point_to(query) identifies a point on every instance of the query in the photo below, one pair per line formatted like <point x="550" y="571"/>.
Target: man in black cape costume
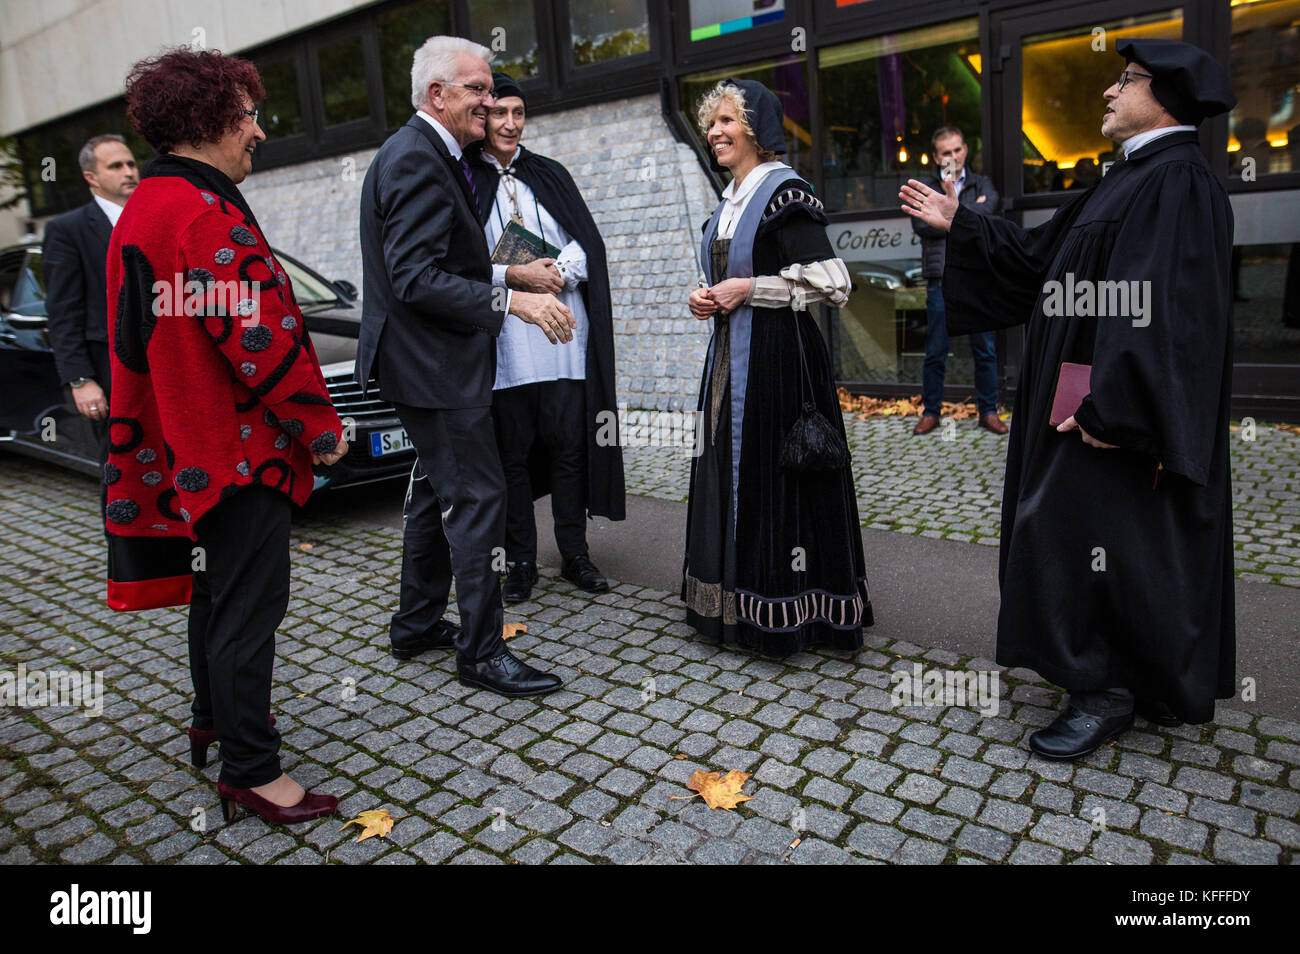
<point x="1116" y="562"/>
<point x="554" y="188"/>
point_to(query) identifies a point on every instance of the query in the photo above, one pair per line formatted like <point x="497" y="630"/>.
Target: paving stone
<point x="919" y="788"/>
<point x="875" y="841"/>
<point x="1238" y="849"/>
<point x="986" y="842"/>
<point x="827" y="791"/>
<point x="1182" y="832"/>
<point x="1007" y="816"/>
<point x="1118" y="849"/>
<point x="1232" y="817"/>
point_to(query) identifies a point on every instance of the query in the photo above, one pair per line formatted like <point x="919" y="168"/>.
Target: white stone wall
<point x="648" y="195"/>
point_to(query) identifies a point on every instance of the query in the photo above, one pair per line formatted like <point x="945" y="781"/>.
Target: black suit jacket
<point x="430" y="315"/>
<point x="75" y="262"/>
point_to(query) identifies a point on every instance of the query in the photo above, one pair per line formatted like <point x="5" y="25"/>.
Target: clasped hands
<point x="536" y="285"/>
<point x="726" y="296"/>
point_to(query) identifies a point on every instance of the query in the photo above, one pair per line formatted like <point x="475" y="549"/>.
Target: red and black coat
<point x="216" y="385"/>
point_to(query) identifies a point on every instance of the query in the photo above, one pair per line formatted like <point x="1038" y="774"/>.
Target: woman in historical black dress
<point x="773" y="554"/>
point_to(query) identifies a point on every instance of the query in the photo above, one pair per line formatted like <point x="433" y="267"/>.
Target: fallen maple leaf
<point x="717" y="790"/>
<point x="510" y="630"/>
<point x="376" y="821"/>
<point x="304" y="547"/>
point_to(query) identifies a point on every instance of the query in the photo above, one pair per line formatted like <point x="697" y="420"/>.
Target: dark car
<point x="39" y="418"/>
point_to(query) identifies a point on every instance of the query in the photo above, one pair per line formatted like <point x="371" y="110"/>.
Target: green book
<point x="518" y="246"/>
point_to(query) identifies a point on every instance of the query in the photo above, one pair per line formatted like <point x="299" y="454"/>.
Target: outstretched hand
<point x="930" y="206"/>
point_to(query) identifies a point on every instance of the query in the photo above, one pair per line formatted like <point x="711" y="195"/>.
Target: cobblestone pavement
<point x="588" y="774"/>
<point x="949" y="485"/>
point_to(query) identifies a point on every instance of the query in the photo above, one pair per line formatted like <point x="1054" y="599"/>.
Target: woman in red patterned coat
<point x="219" y="407"/>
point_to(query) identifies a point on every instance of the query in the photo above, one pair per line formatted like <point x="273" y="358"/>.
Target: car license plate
<point x="389" y="442"/>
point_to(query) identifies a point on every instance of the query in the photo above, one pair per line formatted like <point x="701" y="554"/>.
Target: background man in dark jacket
<point x="75" y="264"/>
<point x="976" y="192"/>
<point x="430" y="318"/>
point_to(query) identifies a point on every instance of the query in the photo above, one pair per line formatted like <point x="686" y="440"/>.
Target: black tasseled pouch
<point x="813" y="444"/>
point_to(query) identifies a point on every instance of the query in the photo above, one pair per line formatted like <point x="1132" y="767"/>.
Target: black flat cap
<point x="1188" y="82"/>
<point x="504" y="85"/>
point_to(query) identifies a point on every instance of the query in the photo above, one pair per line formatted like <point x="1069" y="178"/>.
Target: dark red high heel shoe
<point x="200" y="739"/>
<point x="311" y="806"/>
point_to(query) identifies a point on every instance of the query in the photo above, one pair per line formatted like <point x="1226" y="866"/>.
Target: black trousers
<point x="239" y="600"/>
<point x="553" y="413"/>
<point x="455" y="526"/>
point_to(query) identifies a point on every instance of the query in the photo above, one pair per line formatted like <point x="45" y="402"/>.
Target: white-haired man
<point x="429" y="321"/>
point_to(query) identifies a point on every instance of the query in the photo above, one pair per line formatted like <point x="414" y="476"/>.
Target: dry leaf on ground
<point x="865" y="407"/>
<point x="375" y="821"/>
<point x="510" y="630"/>
<point x="717" y="790"/>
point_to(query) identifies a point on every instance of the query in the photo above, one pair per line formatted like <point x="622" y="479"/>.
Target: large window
<point x="603" y="30"/>
<point x="882" y="99"/>
<point x="1266" y="309"/>
<point x="1063" y="77"/>
<point x="402" y="30"/>
<point x="1265" y="126"/>
<point x="784" y="77"/>
<point x="508" y="29"/>
<point x="281" y="111"/>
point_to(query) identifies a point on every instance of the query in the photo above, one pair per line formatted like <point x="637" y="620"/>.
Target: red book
<point x="1072" y="387"/>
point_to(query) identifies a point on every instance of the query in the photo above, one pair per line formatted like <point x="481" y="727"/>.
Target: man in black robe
<point x="549" y="404"/>
<point x="1116" y="560"/>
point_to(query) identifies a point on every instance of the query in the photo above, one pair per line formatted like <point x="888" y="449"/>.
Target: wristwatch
<point x="79" y="382"/>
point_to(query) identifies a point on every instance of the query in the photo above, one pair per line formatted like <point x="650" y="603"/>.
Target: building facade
<point x="612" y="87"/>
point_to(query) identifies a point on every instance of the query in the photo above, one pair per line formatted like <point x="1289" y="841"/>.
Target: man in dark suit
<point x="75" y="264"/>
<point x="430" y="317"/>
<point x="978" y="194"/>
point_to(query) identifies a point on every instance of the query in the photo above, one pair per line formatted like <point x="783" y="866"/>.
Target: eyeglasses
<point x="254" y="113"/>
<point x="1128" y="75"/>
<point x="482" y="92"/>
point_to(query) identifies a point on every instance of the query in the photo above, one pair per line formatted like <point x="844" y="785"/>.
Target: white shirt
<point x="524" y="354"/>
<point x="111" y="209"/>
<point x="448" y="139"/>
<point x="1134" y="143"/>
<point x="734" y="200"/>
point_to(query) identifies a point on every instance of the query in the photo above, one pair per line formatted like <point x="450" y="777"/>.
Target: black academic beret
<point x="1188" y="82"/>
<point x="504" y="85"/>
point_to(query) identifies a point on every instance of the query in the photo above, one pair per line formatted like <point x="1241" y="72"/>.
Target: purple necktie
<point x="469" y="177"/>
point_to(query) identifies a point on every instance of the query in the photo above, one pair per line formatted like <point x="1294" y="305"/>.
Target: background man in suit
<point x="977" y="193"/>
<point x="430" y="318"/>
<point x="75" y="264"/>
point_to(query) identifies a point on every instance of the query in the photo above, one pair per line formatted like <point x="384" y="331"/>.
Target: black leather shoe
<point x="507" y="676"/>
<point x="581" y="572"/>
<point x="1156" y="712"/>
<point x="442" y="636"/>
<point x="1075" y="733"/>
<point x="520" y="578"/>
